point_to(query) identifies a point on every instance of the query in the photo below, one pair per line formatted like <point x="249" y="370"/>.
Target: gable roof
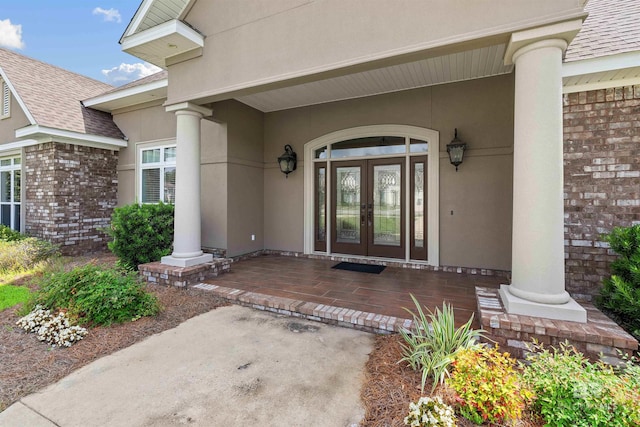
<point x="51" y="96"/>
<point x="612" y="27"/>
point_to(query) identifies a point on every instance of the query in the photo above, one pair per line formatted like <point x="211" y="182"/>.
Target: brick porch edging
<point x="162" y="274"/>
<point x="600" y="335"/>
<point x="329" y="314"/>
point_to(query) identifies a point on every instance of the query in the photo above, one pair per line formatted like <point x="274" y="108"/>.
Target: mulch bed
<point x="28" y="365"/>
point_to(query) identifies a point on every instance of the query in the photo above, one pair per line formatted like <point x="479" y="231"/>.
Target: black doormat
<point x="361" y="268"/>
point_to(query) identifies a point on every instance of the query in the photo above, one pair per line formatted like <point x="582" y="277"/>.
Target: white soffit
<point x="472" y="64"/>
<point x="157" y="43"/>
<point x="600" y="73"/>
<point x="154" y="12"/>
<point x="128" y="97"/>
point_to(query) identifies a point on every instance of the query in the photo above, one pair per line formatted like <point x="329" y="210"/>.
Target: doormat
<point x="361" y="268"/>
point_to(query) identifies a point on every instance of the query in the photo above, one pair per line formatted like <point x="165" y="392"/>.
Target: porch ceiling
<point x="471" y="64"/>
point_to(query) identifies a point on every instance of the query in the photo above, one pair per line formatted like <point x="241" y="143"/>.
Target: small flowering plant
<point x="430" y="411"/>
<point x="55" y="330"/>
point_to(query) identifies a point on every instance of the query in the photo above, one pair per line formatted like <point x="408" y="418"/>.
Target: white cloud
<point x="11" y="35"/>
<point x="125" y="73"/>
<point x="110" y="15"/>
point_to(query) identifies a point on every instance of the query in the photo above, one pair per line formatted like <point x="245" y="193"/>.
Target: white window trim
<point x="12" y="168"/>
<point x="5" y="100"/>
<point x="433" y="183"/>
<point x="156" y="165"/>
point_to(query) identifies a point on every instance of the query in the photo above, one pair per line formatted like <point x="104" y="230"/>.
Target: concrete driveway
<point x="232" y="366"/>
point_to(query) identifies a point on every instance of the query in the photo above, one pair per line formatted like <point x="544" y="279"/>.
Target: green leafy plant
<point x="9" y="235"/>
<point x="141" y="233"/>
<point x="430" y="412"/>
<point x="620" y="294"/>
<point x="13" y="295"/>
<point x="487" y="385"/>
<point x="433" y="341"/>
<point x="91" y="294"/>
<point x="572" y="391"/>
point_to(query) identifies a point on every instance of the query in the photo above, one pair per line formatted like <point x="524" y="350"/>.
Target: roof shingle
<point x="53" y="95"/>
<point x="612" y="27"/>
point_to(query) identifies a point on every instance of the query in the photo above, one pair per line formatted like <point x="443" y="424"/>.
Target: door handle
<point x="362" y="214"/>
<point x="370" y="214"/>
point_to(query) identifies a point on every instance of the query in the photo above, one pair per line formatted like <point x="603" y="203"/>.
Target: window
<point x="158" y="174"/>
<point x="10" y="185"/>
<point x="6" y="100"/>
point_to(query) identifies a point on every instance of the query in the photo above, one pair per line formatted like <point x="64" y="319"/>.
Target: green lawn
<point x="12" y="295"/>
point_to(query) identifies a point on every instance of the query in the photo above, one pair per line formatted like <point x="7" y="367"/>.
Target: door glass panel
<point x="386" y="205"/>
<point x="418" y="205"/>
<point x="371" y="146"/>
<point x="348" y="204"/>
<point x="5" y="186"/>
<point x="322" y="206"/>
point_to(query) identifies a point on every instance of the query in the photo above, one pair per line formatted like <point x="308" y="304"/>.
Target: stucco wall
<point x="601" y="179"/>
<point x="277" y="40"/>
<point x="9" y="125"/>
<point x="478" y="234"/>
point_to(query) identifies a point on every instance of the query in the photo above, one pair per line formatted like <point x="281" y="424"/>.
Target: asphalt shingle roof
<point x="612" y="27"/>
<point x="160" y="75"/>
<point x="53" y="95"/>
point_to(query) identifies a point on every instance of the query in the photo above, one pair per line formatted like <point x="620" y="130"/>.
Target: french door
<point x="368" y="214"/>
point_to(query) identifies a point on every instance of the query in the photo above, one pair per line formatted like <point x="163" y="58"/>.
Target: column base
<point x="571" y="311"/>
<point x="186" y="262"/>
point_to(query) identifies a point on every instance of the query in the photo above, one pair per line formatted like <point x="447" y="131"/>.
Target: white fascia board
<point x="137" y="19"/>
<point x="601" y="85"/>
<point x="600" y="64"/>
<point x="44" y="134"/>
<point x="168" y="28"/>
<point x="12" y="146"/>
<point x="125" y="93"/>
<point x="15" y="94"/>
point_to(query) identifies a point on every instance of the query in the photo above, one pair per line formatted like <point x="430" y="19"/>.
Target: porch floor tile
<point x="385" y="294"/>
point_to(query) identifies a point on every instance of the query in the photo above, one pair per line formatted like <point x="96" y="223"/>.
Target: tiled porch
<point x="314" y="281"/>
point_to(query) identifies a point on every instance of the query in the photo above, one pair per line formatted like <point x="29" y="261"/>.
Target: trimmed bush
<point x="141" y="233"/>
<point x="9" y="235"/>
<point x="91" y="294"/>
<point x="620" y="294"/>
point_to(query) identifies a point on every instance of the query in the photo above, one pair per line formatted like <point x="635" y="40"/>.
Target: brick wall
<point x="601" y="179"/>
<point x="70" y="193"/>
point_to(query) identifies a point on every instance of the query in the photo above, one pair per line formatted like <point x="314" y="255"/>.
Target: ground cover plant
<point x="620" y="294"/>
<point x="141" y="233"/>
<point x="96" y="295"/>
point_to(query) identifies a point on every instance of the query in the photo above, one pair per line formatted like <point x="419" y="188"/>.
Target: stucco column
<point x="187" y="230"/>
<point x="538" y="279"/>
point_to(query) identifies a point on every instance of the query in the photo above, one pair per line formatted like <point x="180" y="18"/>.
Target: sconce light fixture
<point x="456" y="150"/>
<point x="288" y="161"/>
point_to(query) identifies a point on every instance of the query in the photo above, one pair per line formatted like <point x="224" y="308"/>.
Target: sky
<point x="78" y="35"/>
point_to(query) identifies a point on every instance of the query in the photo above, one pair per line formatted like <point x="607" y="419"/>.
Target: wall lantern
<point x="288" y="161"/>
<point x="456" y="150"/>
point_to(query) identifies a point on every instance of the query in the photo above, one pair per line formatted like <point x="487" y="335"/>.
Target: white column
<point x="187" y="230"/>
<point x="538" y="279"/>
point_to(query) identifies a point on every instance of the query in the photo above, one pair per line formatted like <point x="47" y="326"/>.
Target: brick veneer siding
<point x="70" y="193"/>
<point x="601" y="179"/>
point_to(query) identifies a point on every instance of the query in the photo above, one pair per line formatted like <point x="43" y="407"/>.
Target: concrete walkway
<point x="230" y="367"/>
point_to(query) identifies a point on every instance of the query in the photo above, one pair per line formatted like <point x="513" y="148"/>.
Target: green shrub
<point x="9" y="235"/>
<point x="487" y="386"/>
<point x="620" y="294"/>
<point x="571" y="391"/>
<point x="92" y="294"/>
<point x="22" y="255"/>
<point x="432" y="346"/>
<point x="141" y="233"/>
